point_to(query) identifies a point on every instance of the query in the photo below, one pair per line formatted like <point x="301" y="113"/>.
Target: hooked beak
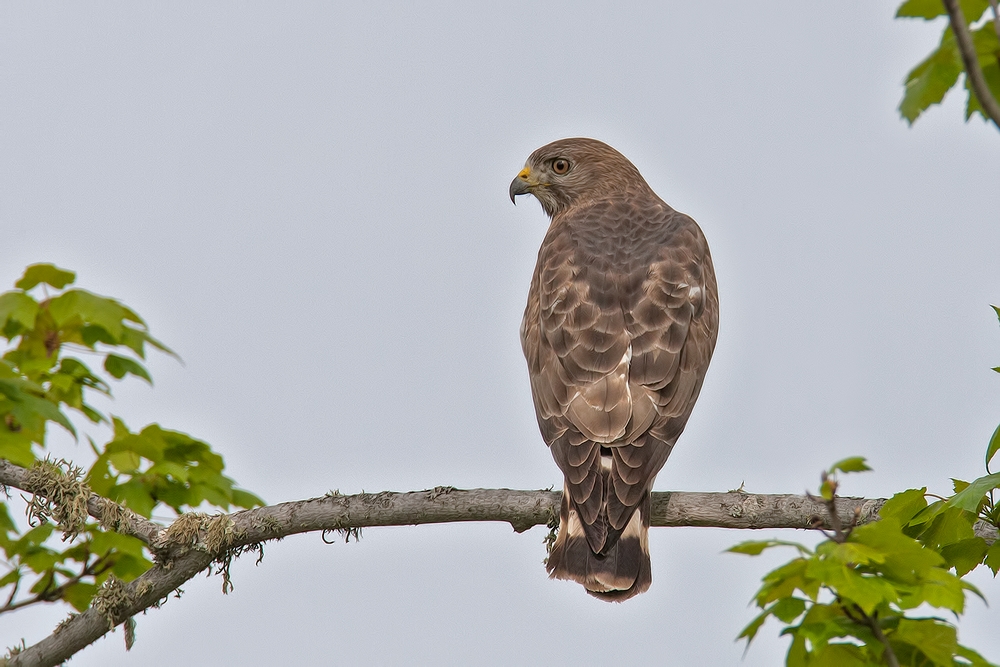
<point x="522" y="184"/>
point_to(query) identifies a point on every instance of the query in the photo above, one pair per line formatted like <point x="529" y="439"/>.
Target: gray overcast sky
<point x="308" y="201"/>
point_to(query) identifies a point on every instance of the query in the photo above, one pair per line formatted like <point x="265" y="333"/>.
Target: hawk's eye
<point x="560" y="166"/>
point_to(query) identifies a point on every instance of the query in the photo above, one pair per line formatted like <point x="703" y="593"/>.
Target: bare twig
<point x="13" y="592"/>
<point x="968" y="50"/>
<point x="53" y="593"/>
<point x="873" y="624"/>
<point x="858" y="615"/>
<point x="839" y="534"/>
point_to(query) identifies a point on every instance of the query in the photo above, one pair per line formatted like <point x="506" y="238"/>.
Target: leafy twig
<point x="840" y="535"/>
<point x="890" y="655"/>
<point x="858" y="616"/>
<point x="968" y="50"/>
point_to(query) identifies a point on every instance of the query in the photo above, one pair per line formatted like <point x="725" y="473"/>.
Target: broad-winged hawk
<point x="620" y="325"/>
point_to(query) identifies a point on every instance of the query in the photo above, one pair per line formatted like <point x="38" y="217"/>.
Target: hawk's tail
<point x="622" y="569"/>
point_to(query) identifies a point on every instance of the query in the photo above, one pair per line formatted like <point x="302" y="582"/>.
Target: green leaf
<point x="31" y="539"/>
<point x="935" y="639"/>
<point x="144" y="444"/>
<point x="217" y="495"/>
<point x="855" y="553"/>
<point x="119" y="367"/>
<point x="157" y="465"/>
<point x="93" y="334"/>
<point x="797" y="653"/>
<point x="125" y="461"/>
<point x="970" y="497"/>
<point x="128" y="567"/>
<point x="79" y="595"/>
<point x="972" y="589"/>
<point x="993" y="448"/>
<point x="992" y="559"/>
<point x="852" y="464"/>
<point x="19" y="307"/>
<point x="928" y="82"/>
<point x="15" y="448"/>
<point x="44" y="582"/>
<point x="136" y="339"/>
<point x="942" y="589"/>
<point x="965" y="555"/>
<point x="948" y="527"/>
<point x="179" y="472"/>
<point x="91" y="309"/>
<point x="92" y="414"/>
<point x="103" y="541"/>
<point x="987" y="49"/>
<point x="929" y="513"/>
<point x="838" y="655"/>
<point x="973" y="9"/>
<point x="246" y="500"/>
<point x="904" y="505"/>
<point x="755" y="548"/>
<point x="783" y="581"/>
<point x="6" y="523"/>
<point x="975" y="660"/>
<point x="867" y="592"/>
<point x="40" y="559"/>
<point x="45" y="273"/>
<point x="135" y="495"/>
<point x="750" y="631"/>
<point x="931" y="9"/>
<point x="906" y="558"/>
<point x="788" y="609"/>
<point x="27" y="405"/>
<point x="12" y="577"/>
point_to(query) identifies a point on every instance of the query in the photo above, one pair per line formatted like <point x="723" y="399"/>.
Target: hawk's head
<point x="571" y="171"/>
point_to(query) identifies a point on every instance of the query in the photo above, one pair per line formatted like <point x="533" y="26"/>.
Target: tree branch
<point x="968" y="50"/>
<point x="53" y="593"/>
<point x="110" y="514"/>
<point x="194" y="541"/>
